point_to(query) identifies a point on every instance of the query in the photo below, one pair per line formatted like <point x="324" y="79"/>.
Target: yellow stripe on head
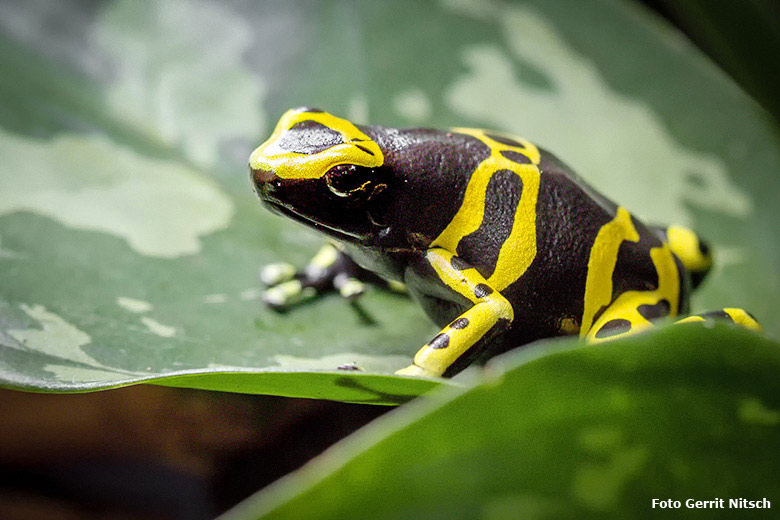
<point x="354" y="147"/>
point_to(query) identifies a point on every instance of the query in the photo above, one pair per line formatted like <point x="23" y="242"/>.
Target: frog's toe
<point x="287" y="294"/>
<point x="274" y="274"/>
<point x="414" y="370"/>
<point x="396" y="286"/>
<point x="349" y="287"/>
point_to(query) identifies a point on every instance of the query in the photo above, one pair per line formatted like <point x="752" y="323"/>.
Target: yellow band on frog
<point x="357" y="148"/>
<point x="686" y="246"/>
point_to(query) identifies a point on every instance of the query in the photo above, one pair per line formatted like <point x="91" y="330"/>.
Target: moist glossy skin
<point x="498" y="241"/>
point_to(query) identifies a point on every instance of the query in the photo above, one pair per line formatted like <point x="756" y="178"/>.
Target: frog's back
<point x="590" y="251"/>
<point x="556" y="249"/>
<point x="560" y="252"/>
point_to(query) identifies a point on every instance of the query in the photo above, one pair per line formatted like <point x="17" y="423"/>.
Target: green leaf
<point x="749" y="56"/>
<point x="129" y="236"/>
<point x="584" y="432"/>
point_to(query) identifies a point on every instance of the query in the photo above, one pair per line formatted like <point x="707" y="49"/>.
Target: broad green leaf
<point x="749" y="56"/>
<point x="129" y="236"/>
<point x="587" y="432"/>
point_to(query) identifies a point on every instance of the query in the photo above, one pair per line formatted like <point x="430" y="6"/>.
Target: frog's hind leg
<point x="607" y="317"/>
<point x="730" y="314"/>
<point x="631" y="316"/>
<point x="693" y="252"/>
<point x="632" y="312"/>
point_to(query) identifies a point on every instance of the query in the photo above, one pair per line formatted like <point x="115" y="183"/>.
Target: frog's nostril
<point x="263" y="176"/>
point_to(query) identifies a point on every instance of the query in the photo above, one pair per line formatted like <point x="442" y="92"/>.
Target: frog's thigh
<point x="490" y="312"/>
<point x="631" y="312"/>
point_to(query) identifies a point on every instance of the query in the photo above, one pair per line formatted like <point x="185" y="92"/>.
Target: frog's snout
<point x="265" y="182"/>
<point x="261" y="177"/>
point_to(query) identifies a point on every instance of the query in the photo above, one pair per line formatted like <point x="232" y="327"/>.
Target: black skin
<point x="403" y="205"/>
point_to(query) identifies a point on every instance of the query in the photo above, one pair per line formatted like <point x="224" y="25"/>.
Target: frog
<point x="499" y="241"/>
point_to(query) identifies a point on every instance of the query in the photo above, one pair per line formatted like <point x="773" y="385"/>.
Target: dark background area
<point x="155" y="452"/>
<point x="743" y="38"/>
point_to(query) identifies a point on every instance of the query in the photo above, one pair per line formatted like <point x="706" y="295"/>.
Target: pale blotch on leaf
<point x="602" y="439"/>
<point x="752" y="411"/>
<point x="155" y="327"/>
<point x="215" y="298"/>
<point x="178" y="73"/>
<point x="133" y="305"/>
<point x="357" y="111"/>
<point x="364" y="362"/>
<point x="88" y="182"/>
<point x="69" y="374"/>
<point x="525" y="506"/>
<point x="729" y="256"/>
<point x="619" y="399"/>
<point x="599" y="486"/>
<point x="8" y="254"/>
<point x="250" y="294"/>
<point x="615" y="141"/>
<point x="55" y="337"/>
<point x="413" y="104"/>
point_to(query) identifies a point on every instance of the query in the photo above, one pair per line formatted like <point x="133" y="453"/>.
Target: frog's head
<point x="323" y="171"/>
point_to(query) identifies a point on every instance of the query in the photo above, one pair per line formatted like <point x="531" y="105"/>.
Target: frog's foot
<point x="274" y="274"/>
<point x="738" y="316"/>
<point x="330" y="270"/>
<point x="348" y="287"/>
<point x="396" y="286"/>
<point x="630" y="313"/>
<point x="414" y="370"/>
<point x="635" y="312"/>
<point x="287" y="294"/>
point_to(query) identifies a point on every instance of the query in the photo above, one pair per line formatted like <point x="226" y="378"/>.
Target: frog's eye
<point x="347" y="180"/>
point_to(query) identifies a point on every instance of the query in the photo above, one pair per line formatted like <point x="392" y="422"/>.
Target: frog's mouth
<point x="338" y="234"/>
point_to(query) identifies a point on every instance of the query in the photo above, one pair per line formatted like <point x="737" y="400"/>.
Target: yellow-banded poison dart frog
<point x="498" y="240"/>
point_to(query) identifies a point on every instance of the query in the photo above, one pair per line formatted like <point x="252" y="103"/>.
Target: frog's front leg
<point x="449" y="279"/>
<point x="330" y="269"/>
